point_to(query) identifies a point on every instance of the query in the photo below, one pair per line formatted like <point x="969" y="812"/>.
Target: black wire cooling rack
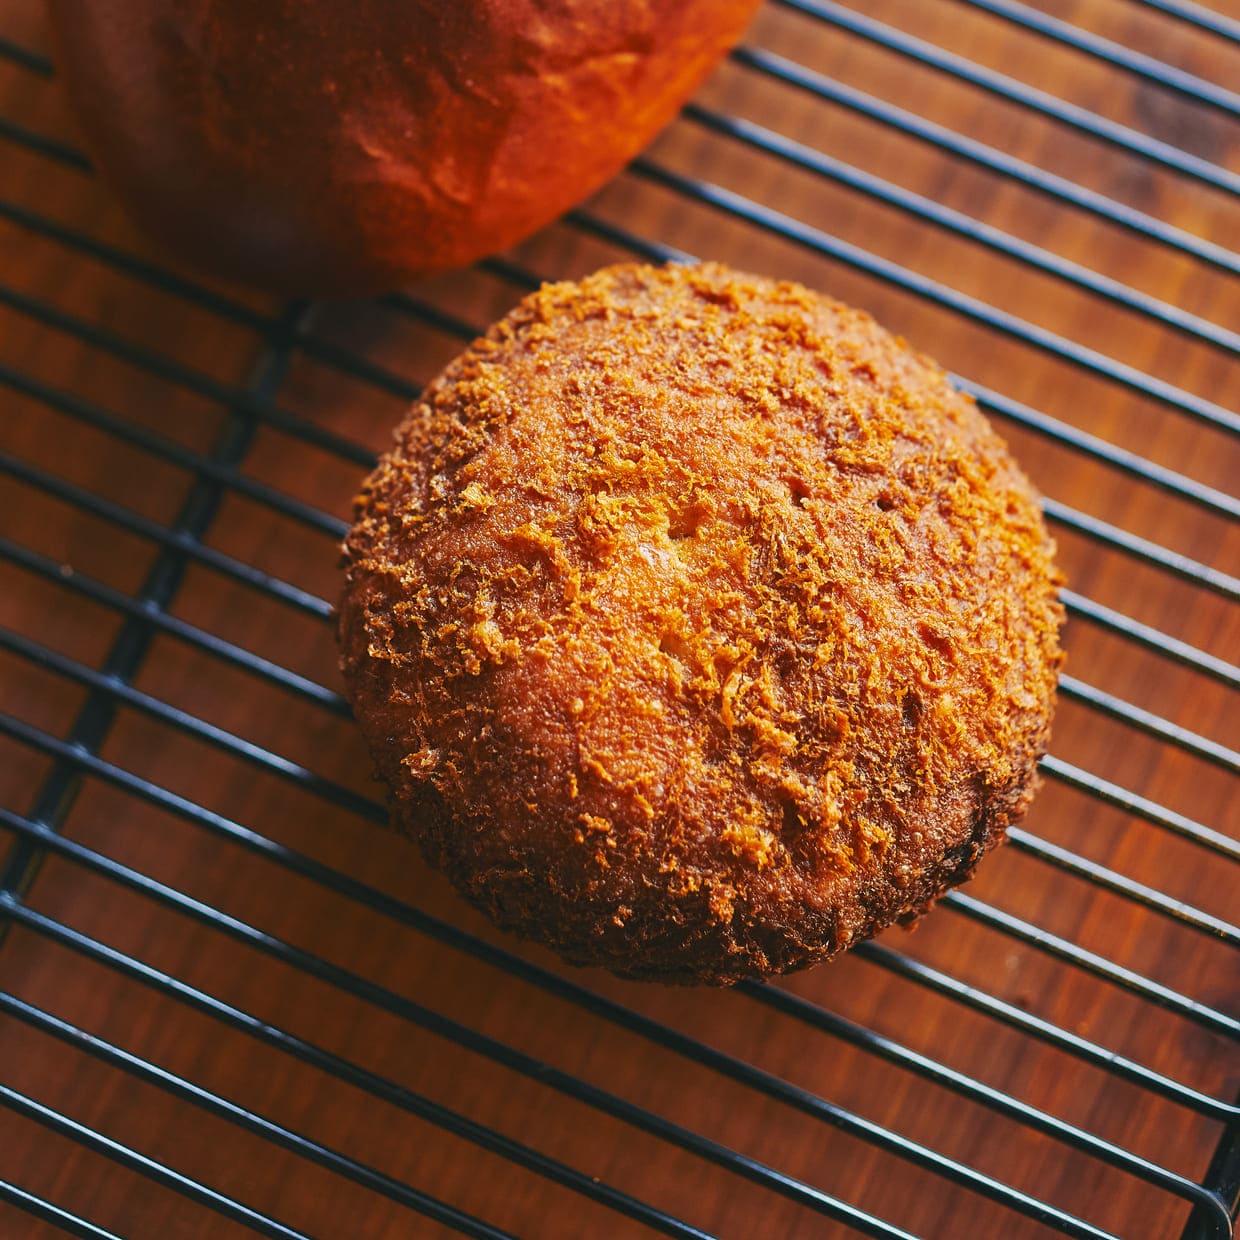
<point x="131" y="669"/>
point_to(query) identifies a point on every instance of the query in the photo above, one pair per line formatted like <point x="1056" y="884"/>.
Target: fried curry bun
<point x="698" y="627"/>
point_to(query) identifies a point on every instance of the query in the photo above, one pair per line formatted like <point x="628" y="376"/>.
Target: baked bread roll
<point x="698" y="627"/>
<point x="327" y="147"/>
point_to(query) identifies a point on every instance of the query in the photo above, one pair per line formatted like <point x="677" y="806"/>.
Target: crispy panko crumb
<point x="698" y="627"/>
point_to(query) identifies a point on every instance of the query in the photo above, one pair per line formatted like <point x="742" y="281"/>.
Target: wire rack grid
<point x="230" y="1001"/>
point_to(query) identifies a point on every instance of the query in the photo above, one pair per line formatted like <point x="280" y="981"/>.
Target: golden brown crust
<point x="698" y="627"/>
<point x="328" y="147"/>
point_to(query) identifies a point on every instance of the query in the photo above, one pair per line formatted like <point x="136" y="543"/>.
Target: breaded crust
<point x="699" y="628"/>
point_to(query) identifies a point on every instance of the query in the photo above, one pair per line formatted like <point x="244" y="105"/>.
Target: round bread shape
<point x="327" y="146"/>
<point x="698" y="628"/>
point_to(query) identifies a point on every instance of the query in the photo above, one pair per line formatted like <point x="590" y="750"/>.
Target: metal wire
<point x="336" y="528"/>
<point x="1197" y="15"/>
<point x="1045" y="1031"/>
<point x="312" y="1151"/>
<point x="460" y="1035"/>
<point x="49" y="1212"/>
<point x="1131" y="141"/>
<point x="994" y="403"/>
<point x="134" y="1161"/>
<point x="978" y="153"/>
<point x="190" y="634"/>
<point x="1060" y="347"/>
<point x="695" y="1051"/>
<point x="1141" y="807"/>
<point x="1072" y="687"/>
<point x="220" y="473"/>
<point x="1177" y="910"/>
<point x="922" y="208"/>
<point x="372" y="811"/>
<point x="168" y="450"/>
<point x="1069" y="952"/>
<point x="660" y="1034"/>
<point x="819" y="1018"/>
<point x="352" y="1073"/>
<point x="1063" y="771"/>
<point x="1108" y="703"/>
<point x="1156" y="72"/>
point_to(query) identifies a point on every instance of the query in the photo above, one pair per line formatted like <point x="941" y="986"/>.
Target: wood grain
<point x="199" y="859"/>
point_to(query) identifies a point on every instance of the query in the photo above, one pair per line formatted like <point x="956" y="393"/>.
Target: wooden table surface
<point x="176" y="369"/>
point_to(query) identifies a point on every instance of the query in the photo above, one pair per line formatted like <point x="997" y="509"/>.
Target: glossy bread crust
<point x="325" y="147"/>
<point x="699" y="628"/>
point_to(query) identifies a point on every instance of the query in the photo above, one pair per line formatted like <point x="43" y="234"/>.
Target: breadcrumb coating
<point x="699" y="628"/>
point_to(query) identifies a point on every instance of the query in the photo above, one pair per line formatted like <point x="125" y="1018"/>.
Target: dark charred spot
<point x="799" y="491"/>
<point x="688" y="521"/>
